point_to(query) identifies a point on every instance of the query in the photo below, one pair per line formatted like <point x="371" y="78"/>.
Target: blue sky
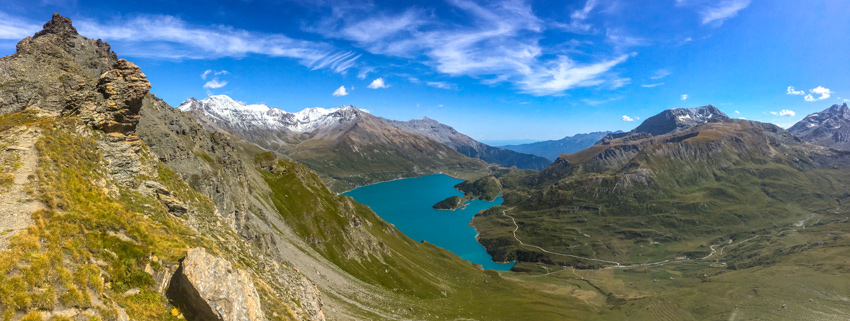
<point x="493" y="70"/>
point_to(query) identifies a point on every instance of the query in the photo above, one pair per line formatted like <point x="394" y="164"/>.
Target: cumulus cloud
<point x="809" y="97"/>
<point x="823" y="92"/>
<point x="685" y="97"/>
<point x="626" y="118"/>
<point x="378" y="83"/>
<point x="652" y="85"/>
<point x="786" y="112"/>
<point x="340" y="91"/>
<point x="791" y="91"/>
<point x="215" y="83"/>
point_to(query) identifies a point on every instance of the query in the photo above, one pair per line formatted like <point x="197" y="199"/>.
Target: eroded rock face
<point x="123" y="89"/>
<point x="206" y="287"/>
<point x="48" y="69"/>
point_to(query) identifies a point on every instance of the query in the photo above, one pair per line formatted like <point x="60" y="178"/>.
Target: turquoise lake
<point x="406" y="203"/>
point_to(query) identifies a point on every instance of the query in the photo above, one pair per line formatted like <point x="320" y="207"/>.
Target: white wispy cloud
<point x="652" y="85"/>
<point x="660" y="73"/>
<point x="578" y="18"/>
<point x="340" y="91"/>
<point x="715" y="11"/>
<point x="13" y="28"/>
<point x="213" y="72"/>
<point x="722" y="10"/>
<point x="774" y="113"/>
<point x="378" y="83"/>
<point x="169" y="37"/>
<point x="364" y="71"/>
<point x="791" y="91"/>
<point x="626" y="118"/>
<point x="685" y="97"/>
<point x="809" y="97"/>
<point x="441" y="84"/>
<point x="786" y="112"/>
<point x="215" y="83"/>
<point x="497" y="41"/>
<point x="594" y="102"/>
<point x="738" y="112"/>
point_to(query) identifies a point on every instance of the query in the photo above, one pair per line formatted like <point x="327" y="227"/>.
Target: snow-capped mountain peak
<point x="224" y="110"/>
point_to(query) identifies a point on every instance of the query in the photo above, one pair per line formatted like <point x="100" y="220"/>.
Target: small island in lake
<point x="449" y="204"/>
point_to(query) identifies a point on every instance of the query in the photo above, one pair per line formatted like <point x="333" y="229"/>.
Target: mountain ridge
<point x="346" y="145"/>
<point x="829" y="128"/>
<point x="467" y="145"/>
<point x="552" y="149"/>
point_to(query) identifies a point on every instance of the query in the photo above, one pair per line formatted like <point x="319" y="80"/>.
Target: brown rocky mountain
<point x="347" y="146"/>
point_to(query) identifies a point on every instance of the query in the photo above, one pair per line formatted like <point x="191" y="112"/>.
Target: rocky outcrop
<point x="206" y="287"/>
<point x="830" y="127"/>
<point x="49" y="68"/>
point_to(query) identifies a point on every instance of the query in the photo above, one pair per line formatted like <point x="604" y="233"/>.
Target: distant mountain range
<point x="347" y="146"/>
<point x="683" y="177"/>
<point x="468" y="146"/>
<point x="830" y="127"/>
<point x="551" y="149"/>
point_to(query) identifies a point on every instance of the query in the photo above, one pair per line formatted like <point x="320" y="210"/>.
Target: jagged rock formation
<point x="348" y="146"/>
<point x="26" y="81"/>
<point x="551" y="149"/>
<point x="466" y="145"/>
<point x="830" y="128"/>
<point x="206" y="287"/>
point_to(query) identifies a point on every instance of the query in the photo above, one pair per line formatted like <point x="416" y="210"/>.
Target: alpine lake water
<point x="406" y="203"/>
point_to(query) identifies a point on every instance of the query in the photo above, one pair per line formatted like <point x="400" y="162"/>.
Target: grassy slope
<point x="685" y="204"/>
<point x="435" y="281"/>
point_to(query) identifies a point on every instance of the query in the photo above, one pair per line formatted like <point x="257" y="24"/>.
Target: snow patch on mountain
<point x="222" y="108"/>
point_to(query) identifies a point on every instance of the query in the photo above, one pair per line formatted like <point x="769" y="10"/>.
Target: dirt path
<point x="20" y="159"/>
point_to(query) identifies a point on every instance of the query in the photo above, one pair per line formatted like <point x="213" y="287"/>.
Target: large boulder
<point x="206" y="287"/>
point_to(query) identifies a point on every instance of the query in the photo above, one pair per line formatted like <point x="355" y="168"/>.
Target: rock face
<point x="551" y="149"/>
<point x="123" y="88"/>
<point x="830" y="128"/>
<point x="50" y="67"/>
<point x="206" y="287"/>
<point x="468" y="146"/>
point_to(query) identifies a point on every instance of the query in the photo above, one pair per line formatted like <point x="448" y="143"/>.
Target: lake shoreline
<point x="406" y="203"/>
